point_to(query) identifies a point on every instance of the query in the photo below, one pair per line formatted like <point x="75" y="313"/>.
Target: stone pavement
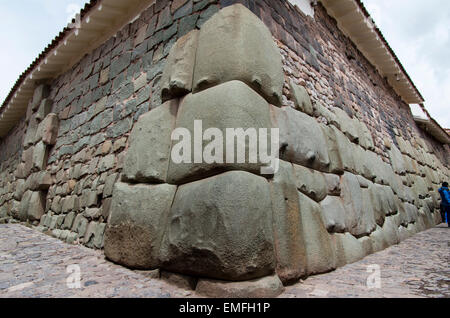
<point x="417" y="267"/>
<point x="33" y="264"/>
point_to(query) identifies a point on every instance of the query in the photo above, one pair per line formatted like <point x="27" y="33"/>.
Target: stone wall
<point x="356" y="173"/>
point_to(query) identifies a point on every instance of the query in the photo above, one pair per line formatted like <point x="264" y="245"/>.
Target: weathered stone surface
<point x="337" y="142"/>
<point x="182" y="281"/>
<point x="380" y="208"/>
<point x="322" y="111"/>
<point x="365" y="137"/>
<point x="350" y="247"/>
<point x="311" y="182"/>
<point x="347" y="125"/>
<point x="137" y="222"/>
<point x="24" y="204"/>
<point x="147" y="159"/>
<point x="320" y="256"/>
<point x="48" y="129"/>
<point x="229" y="105"/>
<point x="40" y="92"/>
<point x="397" y="160"/>
<point x="68" y="221"/>
<point x="235" y="45"/>
<point x="178" y="72"/>
<point x="333" y="184"/>
<point x="225" y="233"/>
<point x="40" y="154"/>
<point x="266" y="287"/>
<point x="99" y="231"/>
<point x="36" y="206"/>
<point x="360" y="220"/>
<point x="333" y="214"/>
<point x="302" y="137"/>
<point x="44" y="180"/>
<point x="301" y="98"/>
<point x="412" y="212"/>
<point x="287" y="225"/>
<point x="44" y="109"/>
<point x="30" y="136"/>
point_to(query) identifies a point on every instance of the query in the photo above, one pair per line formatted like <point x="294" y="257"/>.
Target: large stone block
<point x="179" y="70"/>
<point x="40" y="155"/>
<point x="40" y="92"/>
<point x="360" y="218"/>
<point x="378" y="203"/>
<point x="349" y="126"/>
<point x="30" y="136"/>
<point x="148" y="155"/>
<point x="333" y="141"/>
<point x="320" y="256"/>
<point x="36" y="206"/>
<point x="301" y="98"/>
<point x="137" y="222"/>
<point x="333" y="214"/>
<point x="287" y="225"/>
<point x="350" y="248"/>
<point x="301" y="138"/>
<point x="22" y="214"/>
<point x="365" y="137"/>
<point x="224" y="233"/>
<point x="229" y="105"/>
<point x="48" y="129"/>
<point x="397" y="160"/>
<point x="235" y="45"/>
<point x="311" y="182"/>
<point x="44" y="109"/>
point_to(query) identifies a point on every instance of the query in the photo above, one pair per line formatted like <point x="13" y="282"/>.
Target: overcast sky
<point x="417" y="30"/>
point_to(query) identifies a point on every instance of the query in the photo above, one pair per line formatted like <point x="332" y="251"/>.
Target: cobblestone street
<point x="33" y="264"/>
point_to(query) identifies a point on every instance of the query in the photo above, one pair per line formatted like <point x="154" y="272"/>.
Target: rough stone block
<point x="148" y="155"/>
<point x="24" y="204"/>
<point x="36" y="206"/>
<point x="397" y="160"/>
<point x="235" y="45"/>
<point x="360" y="219"/>
<point x="350" y="247"/>
<point x="333" y="214"/>
<point x="333" y="139"/>
<point x="365" y="137"/>
<point x="225" y="233"/>
<point x="137" y="223"/>
<point x="320" y="256"/>
<point x="311" y="182"/>
<point x="40" y="92"/>
<point x="301" y="98"/>
<point x="266" y="287"/>
<point x="40" y="155"/>
<point x="302" y="137"/>
<point x="347" y="125"/>
<point x="287" y="225"/>
<point x="68" y="221"/>
<point x="229" y="105"/>
<point x="333" y="184"/>
<point x="44" y="109"/>
<point x="31" y="135"/>
<point x="178" y="72"/>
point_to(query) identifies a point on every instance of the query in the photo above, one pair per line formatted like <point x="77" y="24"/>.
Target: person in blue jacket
<point x="445" y="203"/>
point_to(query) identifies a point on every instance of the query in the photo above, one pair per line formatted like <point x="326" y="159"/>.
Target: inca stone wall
<point x="93" y="153"/>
